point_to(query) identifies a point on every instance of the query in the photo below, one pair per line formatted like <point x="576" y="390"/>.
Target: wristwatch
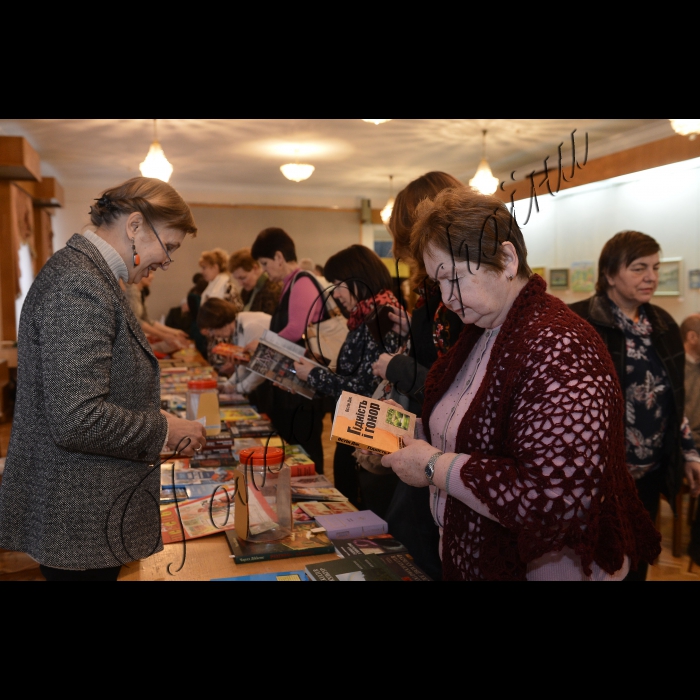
<point x="430" y="467"/>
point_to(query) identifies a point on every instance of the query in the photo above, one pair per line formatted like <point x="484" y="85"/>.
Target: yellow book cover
<point x="371" y="424"/>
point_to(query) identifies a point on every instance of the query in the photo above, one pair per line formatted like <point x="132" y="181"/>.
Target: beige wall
<point x="318" y="233"/>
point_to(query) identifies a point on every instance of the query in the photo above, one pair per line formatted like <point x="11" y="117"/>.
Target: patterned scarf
<point x="442" y="335"/>
<point x="366" y="306"/>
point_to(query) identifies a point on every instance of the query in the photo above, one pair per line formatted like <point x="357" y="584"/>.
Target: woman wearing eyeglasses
<point x="79" y="492"/>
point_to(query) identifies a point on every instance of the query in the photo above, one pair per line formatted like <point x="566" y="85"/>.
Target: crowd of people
<point x="546" y="433"/>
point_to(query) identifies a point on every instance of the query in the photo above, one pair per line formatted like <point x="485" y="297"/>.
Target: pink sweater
<point x="303" y="296"/>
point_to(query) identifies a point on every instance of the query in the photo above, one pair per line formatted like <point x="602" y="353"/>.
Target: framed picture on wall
<point x="669" y="278"/>
<point x="694" y="279"/>
<point x="583" y="277"/>
<point x="559" y="278"/>
<point x="541" y="271"/>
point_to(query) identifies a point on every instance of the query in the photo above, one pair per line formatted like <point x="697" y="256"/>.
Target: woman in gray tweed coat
<point x="79" y="492"/>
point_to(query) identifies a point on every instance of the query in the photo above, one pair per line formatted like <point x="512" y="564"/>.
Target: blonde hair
<point x="156" y="200"/>
<point x="218" y="257"/>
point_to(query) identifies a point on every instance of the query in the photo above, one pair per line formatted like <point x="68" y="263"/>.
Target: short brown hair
<point x="361" y="268"/>
<point x="622" y="249"/>
<point x="470" y="225"/>
<point x="691" y="323"/>
<point x="156" y="200"/>
<point x="242" y="258"/>
<point x="218" y="257"/>
<point x="216" y="313"/>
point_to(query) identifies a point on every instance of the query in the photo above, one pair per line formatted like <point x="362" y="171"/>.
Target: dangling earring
<point x="134" y="255"/>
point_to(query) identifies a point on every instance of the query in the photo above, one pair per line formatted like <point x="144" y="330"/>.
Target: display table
<point x="207" y="558"/>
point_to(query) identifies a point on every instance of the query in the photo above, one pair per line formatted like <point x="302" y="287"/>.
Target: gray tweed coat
<point x="78" y="492"/>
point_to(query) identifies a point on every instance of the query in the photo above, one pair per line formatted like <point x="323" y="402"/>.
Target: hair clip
<point x="106" y="203"/>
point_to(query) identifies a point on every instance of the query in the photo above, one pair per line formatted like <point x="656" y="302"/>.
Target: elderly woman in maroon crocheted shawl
<point x="521" y="437"/>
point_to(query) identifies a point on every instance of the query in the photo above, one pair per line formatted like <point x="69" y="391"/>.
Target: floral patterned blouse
<point x="648" y="398"/>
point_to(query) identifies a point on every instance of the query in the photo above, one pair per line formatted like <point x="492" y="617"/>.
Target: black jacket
<point x="666" y="340"/>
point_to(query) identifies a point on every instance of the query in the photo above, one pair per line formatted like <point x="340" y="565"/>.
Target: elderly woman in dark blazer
<point x="79" y="492"/>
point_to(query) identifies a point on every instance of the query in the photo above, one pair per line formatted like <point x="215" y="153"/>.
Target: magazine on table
<point x="274" y="359"/>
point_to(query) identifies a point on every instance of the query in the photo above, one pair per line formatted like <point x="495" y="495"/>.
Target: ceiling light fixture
<point x="156" y="164"/>
<point x="297" y="171"/>
<point x="483" y="179"/>
<point x="389" y="206"/>
<point x="376" y="121"/>
<point x="686" y="127"/>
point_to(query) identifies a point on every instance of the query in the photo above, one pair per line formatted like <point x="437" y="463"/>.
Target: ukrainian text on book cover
<point x="371" y="424"/>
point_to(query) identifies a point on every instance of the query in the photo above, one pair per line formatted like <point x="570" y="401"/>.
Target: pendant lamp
<point x="483" y="179"/>
<point x="389" y="206"/>
<point x="156" y="164"/>
<point x="686" y="127"/>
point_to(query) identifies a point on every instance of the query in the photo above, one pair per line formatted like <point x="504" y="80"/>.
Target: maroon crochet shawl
<point x="548" y="415"/>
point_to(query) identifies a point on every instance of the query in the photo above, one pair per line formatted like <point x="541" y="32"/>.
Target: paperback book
<point x="315" y="508"/>
<point x="311" y="493"/>
<point x="300" y="543"/>
<point x="234" y="352"/>
<point x="298" y="575"/>
<point x="343" y="526"/>
<point x="371" y="544"/>
<point x="363" y="567"/>
<point x="371" y="424"/>
<point x="274" y="359"/>
<point x="233" y="414"/>
<point x="402" y="564"/>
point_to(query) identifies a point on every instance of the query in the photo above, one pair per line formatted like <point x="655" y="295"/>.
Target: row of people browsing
<point x="642" y="340"/>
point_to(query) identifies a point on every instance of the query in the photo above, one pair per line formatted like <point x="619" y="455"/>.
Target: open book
<point x="371" y="424"/>
<point x="274" y="359"/>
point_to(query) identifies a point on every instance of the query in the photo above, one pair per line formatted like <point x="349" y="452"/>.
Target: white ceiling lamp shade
<point x="389" y="206"/>
<point x="156" y="164"/>
<point x="376" y="121"/>
<point x="483" y="179"/>
<point x="297" y="171"/>
<point x="686" y="127"/>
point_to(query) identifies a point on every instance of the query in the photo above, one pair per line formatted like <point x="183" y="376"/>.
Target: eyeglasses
<point x="165" y="264"/>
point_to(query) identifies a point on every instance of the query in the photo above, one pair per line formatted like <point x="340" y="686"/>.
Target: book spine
<point x="249" y="558"/>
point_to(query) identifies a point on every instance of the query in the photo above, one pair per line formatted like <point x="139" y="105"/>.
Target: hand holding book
<point x="409" y="463"/>
<point x="303" y="367"/>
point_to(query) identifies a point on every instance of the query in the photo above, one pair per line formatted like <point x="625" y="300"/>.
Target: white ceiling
<point x="237" y="160"/>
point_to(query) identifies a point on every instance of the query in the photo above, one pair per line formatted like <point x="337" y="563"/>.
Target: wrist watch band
<point x="430" y="467"/>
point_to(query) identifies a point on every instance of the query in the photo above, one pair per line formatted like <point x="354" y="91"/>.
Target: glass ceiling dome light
<point x="297" y="171"/>
<point x="483" y="179"/>
<point x="389" y="206"/>
<point x="376" y="121"/>
<point x="686" y="127"/>
<point x="156" y="164"/>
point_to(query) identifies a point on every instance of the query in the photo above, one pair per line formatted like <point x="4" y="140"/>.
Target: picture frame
<point x="693" y="279"/>
<point x="559" y="278"/>
<point x="541" y="271"/>
<point x="583" y="277"/>
<point x="669" y="278"/>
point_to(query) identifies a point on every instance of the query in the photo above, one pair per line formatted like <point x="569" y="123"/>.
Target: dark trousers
<point x="649" y="490"/>
<point x="411" y="523"/>
<point x="51" y="574"/>
<point x="345" y="473"/>
<point x="299" y="421"/>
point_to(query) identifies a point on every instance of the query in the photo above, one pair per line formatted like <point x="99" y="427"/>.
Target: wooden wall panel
<point x="650" y="155"/>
